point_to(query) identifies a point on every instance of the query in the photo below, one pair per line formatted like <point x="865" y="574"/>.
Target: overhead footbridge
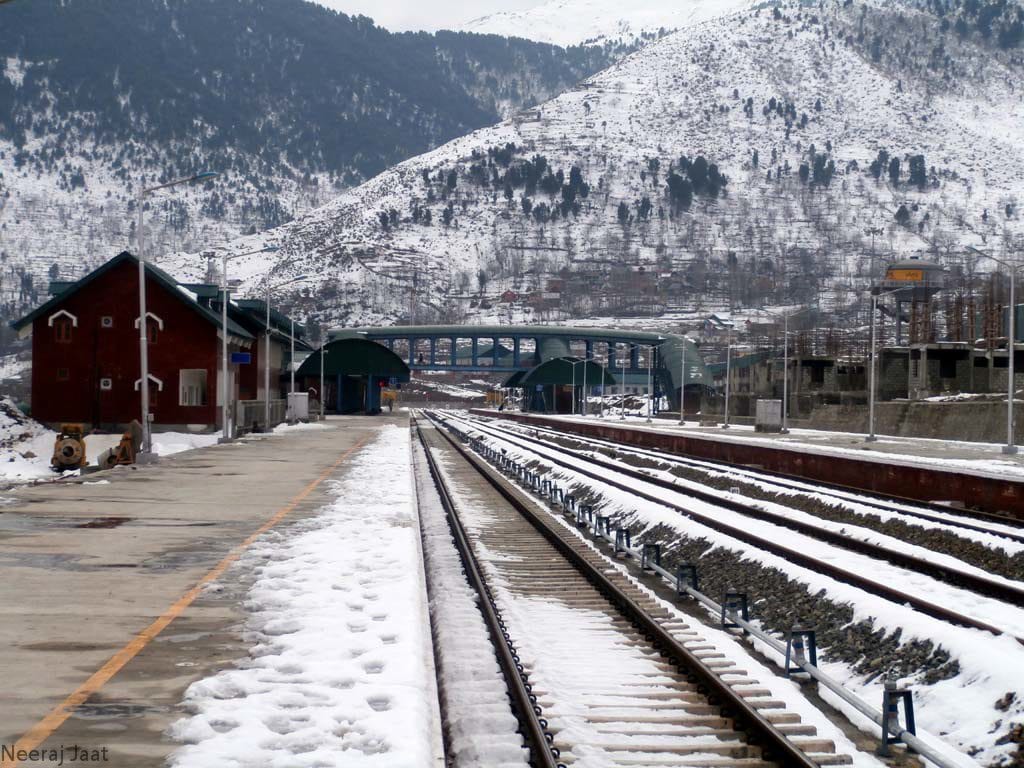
<point x="676" y="366"/>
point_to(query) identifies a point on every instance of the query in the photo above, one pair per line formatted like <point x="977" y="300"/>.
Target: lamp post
<point x="586" y="356"/>
<point x="785" y="360"/>
<point x="622" y="387"/>
<point x="574" y="364"/>
<point x="146" y="454"/>
<point x="650" y="385"/>
<point x="728" y="375"/>
<point x="682" y="381"/>
<point x="266" y="358"/>
<point x="872" y="386"/>
<point x="226" y="430"/>
<point x="1011" y="340"/>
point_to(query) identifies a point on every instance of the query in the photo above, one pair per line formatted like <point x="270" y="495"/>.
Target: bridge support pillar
<point x="476" y="353"/>
<point x="454" y="354"/>
<point x="433" y="351"/>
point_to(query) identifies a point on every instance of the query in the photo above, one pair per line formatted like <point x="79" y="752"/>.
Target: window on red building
<point x="62" y="330"/>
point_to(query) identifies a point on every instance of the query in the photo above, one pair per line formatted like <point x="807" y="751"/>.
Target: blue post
<point x="454" y="353"/>
<point x="494" y="352"/>
<point x="433" y="350"/>
<point x="515" y="352"/>
<point x="412" y="349"/>
<point x="475" y="358"/>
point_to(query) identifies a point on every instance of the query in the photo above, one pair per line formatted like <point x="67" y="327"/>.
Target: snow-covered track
<point x="971" y="520"/>
<point x="631" y="481"/>
<point x="621" y="680"/>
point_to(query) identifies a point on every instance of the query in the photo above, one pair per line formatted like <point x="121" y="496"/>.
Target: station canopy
<point x="559" y="370"/>
<point x="356" y="357"/>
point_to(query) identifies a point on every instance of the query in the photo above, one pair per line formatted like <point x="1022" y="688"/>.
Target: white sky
<point x="431" y="15"/>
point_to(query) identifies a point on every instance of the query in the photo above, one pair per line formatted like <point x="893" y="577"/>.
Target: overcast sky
<point x="424" y="14"/>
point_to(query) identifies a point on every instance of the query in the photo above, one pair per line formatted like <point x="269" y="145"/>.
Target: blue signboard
<point x="242" y="358"/>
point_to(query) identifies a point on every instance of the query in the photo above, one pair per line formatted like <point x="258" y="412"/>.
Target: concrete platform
<point x="117" y="593"/>
<point x="976" y="474"/>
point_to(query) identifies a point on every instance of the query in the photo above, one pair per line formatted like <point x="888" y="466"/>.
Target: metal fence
<point x="250" y="415"/>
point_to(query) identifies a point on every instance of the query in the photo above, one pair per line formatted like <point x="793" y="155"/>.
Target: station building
<point x="85" y="352"/>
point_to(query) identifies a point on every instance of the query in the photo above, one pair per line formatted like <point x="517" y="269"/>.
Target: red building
<point x="85" y="350"/>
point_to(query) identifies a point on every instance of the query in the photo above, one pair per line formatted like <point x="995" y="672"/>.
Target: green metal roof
<point x="746" y="361"/>
<point x="560" y="371"/>
<point x="355" y="357"/>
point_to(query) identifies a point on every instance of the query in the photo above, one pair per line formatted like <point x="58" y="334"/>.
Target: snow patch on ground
<point x="339" y="672"/>
<point x="482" y="729"/>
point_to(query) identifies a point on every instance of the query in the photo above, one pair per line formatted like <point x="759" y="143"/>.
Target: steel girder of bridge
<point x="500" y="349"/>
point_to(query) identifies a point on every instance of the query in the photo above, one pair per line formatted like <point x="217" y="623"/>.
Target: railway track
<point x="923" y="505"/>
<point x="1005" y="527"/>
<point x="978" y="583"/>
<point x="599" y="673"/>
<point x="633" y="482"/>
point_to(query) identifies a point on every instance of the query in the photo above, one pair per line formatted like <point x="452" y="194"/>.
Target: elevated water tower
<point x="914" y="282"/>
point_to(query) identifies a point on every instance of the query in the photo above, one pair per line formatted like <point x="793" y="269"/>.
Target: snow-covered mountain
<point x="766" y="157"/>
<point x="596" y="22"/>
<point x="290" y="102"/>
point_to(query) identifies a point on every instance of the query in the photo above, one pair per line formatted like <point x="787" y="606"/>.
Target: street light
<point x="266" y="359"/>
<point x="574" y="364"/>
<point x="785" y="360"/>
<point x="226" y="429"/>
<point x="1011" y="340"/>
<point x="728" y="376"/>
<point x="146" y="454"/>
<point x="622" y="387"/>
<point x="874" y="353"/>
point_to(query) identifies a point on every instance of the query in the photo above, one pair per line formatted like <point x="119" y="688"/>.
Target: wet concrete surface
<point x="84" y="568"/>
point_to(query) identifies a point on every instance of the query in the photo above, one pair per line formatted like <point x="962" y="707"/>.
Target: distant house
<point x="85" y="351"/>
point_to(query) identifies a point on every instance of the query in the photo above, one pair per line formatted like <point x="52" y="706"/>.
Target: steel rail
<point x="792" y="555"/>
<point x="978" y="514"/>
<point x="777" y="747"/>
<point x="542" y="754"/>
<point x="876" y="716"/>
<point x="982" y="585"/>
<point x="871" y="499"/>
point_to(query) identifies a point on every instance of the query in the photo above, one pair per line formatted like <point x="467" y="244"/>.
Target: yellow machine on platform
<point x="69" y="448"/>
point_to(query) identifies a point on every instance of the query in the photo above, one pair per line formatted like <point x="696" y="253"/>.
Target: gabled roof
<point x="156" y="273"/>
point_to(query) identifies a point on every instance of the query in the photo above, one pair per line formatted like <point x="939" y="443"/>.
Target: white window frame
<point x="62" y="313"/>
<point x="154" y="379"/>
<point x="187" y="394"/>
<point x="151" y="316"/>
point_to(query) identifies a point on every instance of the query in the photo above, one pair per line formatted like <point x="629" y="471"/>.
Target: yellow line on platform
<point x="40" y="732"/>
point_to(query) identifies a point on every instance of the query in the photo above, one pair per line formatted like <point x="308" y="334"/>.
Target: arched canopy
<point x="560" y="371"/>
<point x="355" y="357"/>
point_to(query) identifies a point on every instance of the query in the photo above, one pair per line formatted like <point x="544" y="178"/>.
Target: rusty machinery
<point x="125" y="451"/>
<point x="69" y="448"/>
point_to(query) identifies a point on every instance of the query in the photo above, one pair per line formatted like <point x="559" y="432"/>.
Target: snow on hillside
<point x="575" y="22"/>
<point x="793" y="108"/>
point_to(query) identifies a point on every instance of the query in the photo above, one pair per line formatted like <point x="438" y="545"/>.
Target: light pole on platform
<point x="1011" y="341"/>
<point x="146" y="454"/>
<point x="266" y="359"/>
<point x="873" y="375"/>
